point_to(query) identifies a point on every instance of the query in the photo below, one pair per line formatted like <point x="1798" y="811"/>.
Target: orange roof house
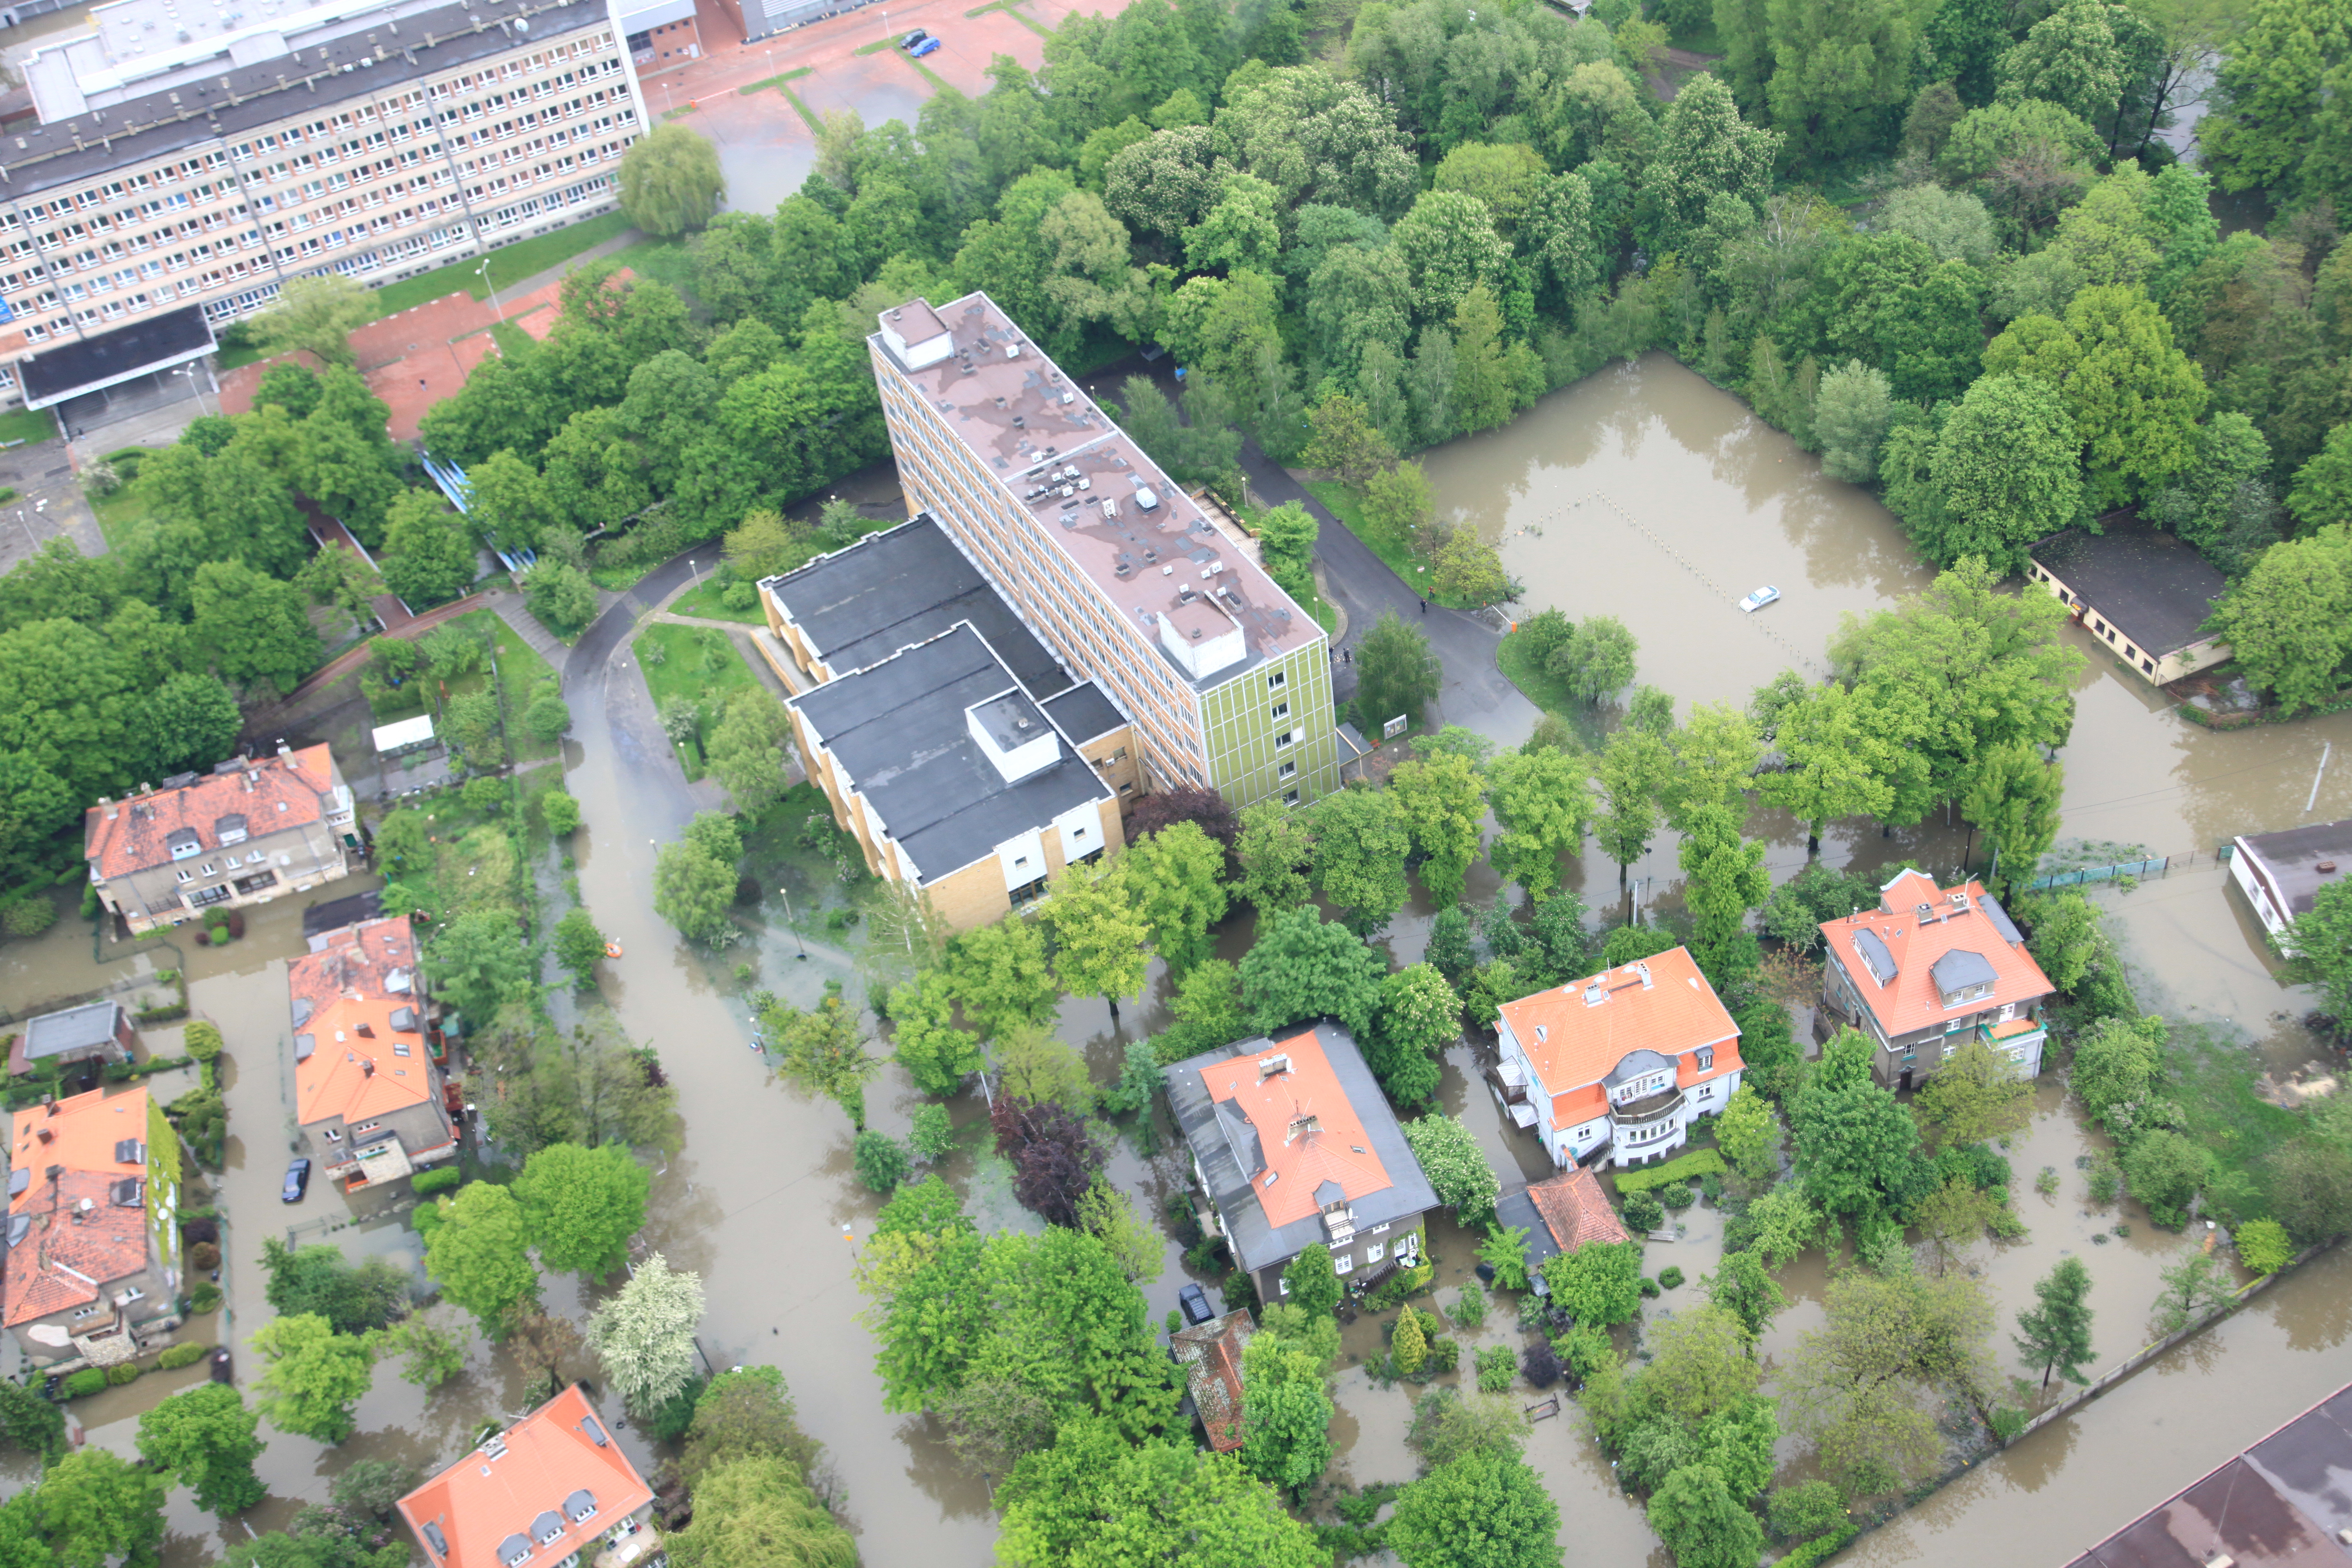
<point x="243" y="833"/>
<point x="1211" y="1356"/>
<point x="552" y="1486"/>
<point x="1623" y="1061"/>
<point x="1926" y="969"/>
<point x="1294" y="1144"/>
<point x="93" y="1241"/>
<point x="364" y="1085"/>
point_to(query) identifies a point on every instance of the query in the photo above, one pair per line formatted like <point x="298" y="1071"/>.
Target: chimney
<point x="46" y="1136"/>
<point x="366" y="1031"/>
<point x="367" y="1067"/>
<point x="285" y="751"/>
<point x="111" y="809"/>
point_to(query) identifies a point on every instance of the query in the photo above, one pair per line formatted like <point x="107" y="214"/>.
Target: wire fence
<point x="2116" y="871"/>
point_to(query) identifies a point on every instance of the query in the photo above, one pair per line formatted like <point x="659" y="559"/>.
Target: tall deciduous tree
<point x="1175" y="879"/>
<point x="1303" y="967"/>
<point x="1285" y="1414"/>
<point x="1273" y="850"/>
<point x="428" y="558"/>
<point x="1456" y="1167"/>
<point x="1442" y="799"/>
<point x="314" y="1377"/>
<point x="1420" y="1016"/>
<point x="1976" y="1097"/>
<point x="1099" y="933"/>
<point x="1543" y="801"/>
<point x="206" y="1437"/>
<point x="2013" y="799"/>
<point x="1001" y="975"/>
<point x="93" y="1507"/>
<point x="824" y="1051"/>
<point x="1482" y="1510"/>
<point x="1634" y="768"/>
<point x="319" y="313"/>
<point x="2289" y="620"/>
<point x="479" y="1253"/>
<point x="1704" y="149"/>
<point x="1173" y="1503"/>
<point x="1396" y="673"/>
<point x="582" y="1204"/>
<point x="643" y="1337"/>
<point x="2008" y="466"/>
<point x="1361" y="843"/>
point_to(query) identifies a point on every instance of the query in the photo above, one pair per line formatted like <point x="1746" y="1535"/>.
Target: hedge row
<point x="1688" y="1168"/>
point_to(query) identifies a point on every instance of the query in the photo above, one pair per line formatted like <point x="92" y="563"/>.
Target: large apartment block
<point x="1130" y="582"/>
<point x="192" y="155"/>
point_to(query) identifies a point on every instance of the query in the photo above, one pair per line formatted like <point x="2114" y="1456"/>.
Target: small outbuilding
<point x="2143" y="592"/>
<point x="96" y="1031"/>
<point x="1211" y="1355"/>
<point x="2281" y="873"/>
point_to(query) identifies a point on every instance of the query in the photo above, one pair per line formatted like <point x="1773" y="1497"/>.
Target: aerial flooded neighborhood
<point x="1251" y="783"/>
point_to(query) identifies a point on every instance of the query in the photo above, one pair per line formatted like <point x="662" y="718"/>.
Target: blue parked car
<point x="297" y="1180"/>
<point x="929" y="46"/>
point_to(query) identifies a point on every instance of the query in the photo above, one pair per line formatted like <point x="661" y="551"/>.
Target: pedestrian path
<point x="526" y="625"/>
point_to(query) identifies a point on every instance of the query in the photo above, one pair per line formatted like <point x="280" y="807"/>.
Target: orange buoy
<point x="612" y="949"/>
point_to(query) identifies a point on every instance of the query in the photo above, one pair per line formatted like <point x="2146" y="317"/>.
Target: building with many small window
<point x="2145" y="593"/>
<point x="1293" y="1144"/>
<point x="193" y="155"/>
<point x="245" y="833"/>
<point x="1133" y="584"/>
<point x="92" y="1263"/>
<point x="1928" y="968"/>
<point x="367" y="1091"/>
<point x="1620" y="1062"/>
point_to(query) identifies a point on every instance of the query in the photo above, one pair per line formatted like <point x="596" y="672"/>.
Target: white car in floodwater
<point x="1758" y="599"/>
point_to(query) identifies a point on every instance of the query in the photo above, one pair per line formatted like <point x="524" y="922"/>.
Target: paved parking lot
<point x="48" y="503"/>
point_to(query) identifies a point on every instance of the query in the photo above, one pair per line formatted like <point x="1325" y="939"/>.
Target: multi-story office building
<point x="193" y="155"/>
<point x="1130" y="582"/>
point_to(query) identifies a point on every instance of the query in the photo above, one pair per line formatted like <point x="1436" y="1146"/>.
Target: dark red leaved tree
<point x="1054" y="1156"/>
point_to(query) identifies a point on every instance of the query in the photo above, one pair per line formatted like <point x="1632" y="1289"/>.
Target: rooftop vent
<point x="493" y="1446"/>
<point x="1269" y="1067"/>
<point x="1595" y="994"/>
<point x="1302" y="1127"/>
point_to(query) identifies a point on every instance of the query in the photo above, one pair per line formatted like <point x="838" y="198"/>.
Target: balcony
<point x="1648" y="1110"/>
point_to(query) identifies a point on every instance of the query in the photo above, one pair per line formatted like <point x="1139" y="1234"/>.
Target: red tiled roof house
<point x="243" y="833"/>
<point x="1926" y="969"/>
<point x="1294" y="1144"/>
<point x="366" y="1091"/>
<point x="93" y="1237"/>
<point x="1623" y="1059"/>
<point x="1559" y="1214"/>
<point x="550" y="1491"/>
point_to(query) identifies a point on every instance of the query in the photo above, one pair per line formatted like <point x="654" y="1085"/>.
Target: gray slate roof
<point x="1257" y="1245"/>
<point x="1960" y="969"/>
<point x="74" y="1029"/>
<point x="2151" y="587"/>
<point x="2290" y="859"/>
<point x="897" y="729"/>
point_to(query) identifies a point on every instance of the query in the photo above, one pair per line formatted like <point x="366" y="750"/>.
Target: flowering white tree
<point x="644" y="1336"/>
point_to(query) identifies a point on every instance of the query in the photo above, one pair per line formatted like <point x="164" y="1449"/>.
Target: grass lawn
<point x="509" y="264"/>
<point x="698" y="665"/>
<point x="705" y="601"/>
<point x="2215" y="1088"/>
<point x="23" y="426"/>
<point x="1545" y="689"/>
<point x="1394" y="551"/>
<point x="120" y="514"/>
<point x="521" y="672"/>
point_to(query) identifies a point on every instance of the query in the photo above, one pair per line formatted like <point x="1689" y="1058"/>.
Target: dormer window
<point x="1705" y="1059"/>
<point x="548" y="1528"/>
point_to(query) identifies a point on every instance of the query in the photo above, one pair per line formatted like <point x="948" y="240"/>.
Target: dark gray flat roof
<point x="2278" y="1505"/>
<point x="74" y="1029"/>
<point x="102" y="359"/>
<point x="1083" y="712"/>
<point x="898" y="730"/>
<point x="101" y="141"/>
<point x="1255" y="1244"/>
<point x="860" y="604"/>
<point x="1518" y="1211"/>
<point x="2147" y="584"/>
<point x="2290" y="860"/>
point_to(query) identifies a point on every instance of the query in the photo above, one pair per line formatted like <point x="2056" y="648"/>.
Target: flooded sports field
<point x="1641" y="492"/>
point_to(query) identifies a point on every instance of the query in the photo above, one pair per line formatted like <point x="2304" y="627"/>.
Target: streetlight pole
<point x="485" y="270"/>
<point x="789" y="921"/>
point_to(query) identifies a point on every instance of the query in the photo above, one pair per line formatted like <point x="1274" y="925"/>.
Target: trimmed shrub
<point x="1649" y="1288"/>
<point x="440" y="1179"/>
<point x="89" y="1380"/>
<point x="1800" y="1512"/>
<point x="204" y="1297"/>
<point x="1644" y="1213"/>
<point x="177" y="1356"/>
<point x="1821" y="1549"/>
<point x="1497" y="1368"/>
<point x="2264" y="1246"/>
<point x="1677" y="1195"/>
<point x="30" y="916"/>
<point x="123" y="1371"/>
<point x="1669" y="1277"/>
<point x="205" y="1257"/>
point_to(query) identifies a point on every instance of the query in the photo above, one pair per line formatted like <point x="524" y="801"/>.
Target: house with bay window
<point x="551" y="1491"/>
<point x="1928" y="969"/>
<point x="1294" y="1144"/>
<point x="1616" y="1066"/>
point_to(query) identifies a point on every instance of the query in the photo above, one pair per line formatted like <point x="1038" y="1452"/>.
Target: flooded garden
<point x="1641" y="492"/>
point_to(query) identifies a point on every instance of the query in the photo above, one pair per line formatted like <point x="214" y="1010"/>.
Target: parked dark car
<point x="297" y="1180"/>
<point x="911" y="39"/>
<point x="1195" y="1302"/>
<point x="223" y="1366"/>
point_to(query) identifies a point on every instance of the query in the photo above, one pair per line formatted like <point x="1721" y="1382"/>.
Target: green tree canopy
<point x="670" y="181"/>
<point x="314" y="1378"/>
<point x="582" y="1205"/>
<point x="479" y="1253"/>
<point x="206" y="1437"/>
<point x="1303" y="967"/>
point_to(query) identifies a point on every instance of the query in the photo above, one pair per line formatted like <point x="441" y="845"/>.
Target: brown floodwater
<point x="1641" y="475"/>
